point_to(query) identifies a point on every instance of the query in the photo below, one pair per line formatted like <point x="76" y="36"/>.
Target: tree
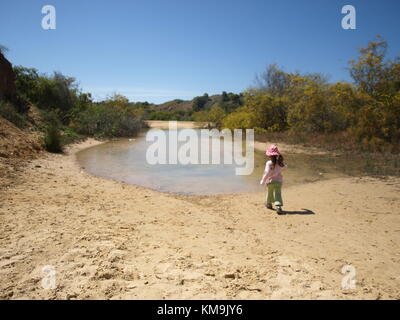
<point x="200" y="102"/>
<point x="26" y="82"/>
<point x="224" y="96"/>
<point x="241" y="118"/>
<point x="274" y="80"/>
<point x="215" y="115"/>
<point x="369" y="71"/>
<point x="118" y="101"/>
<point x="345" y="102"/>
<point x="230" y="101"/>
<point x="270" y="111"/>
<point x="378" y="81"/>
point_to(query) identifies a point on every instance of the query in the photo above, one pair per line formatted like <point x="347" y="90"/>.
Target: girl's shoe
<point x="268" y="205"/>
<point x="279" y="209"/>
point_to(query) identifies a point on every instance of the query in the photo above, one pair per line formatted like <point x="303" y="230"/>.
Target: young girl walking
<point x="273" y="178"/>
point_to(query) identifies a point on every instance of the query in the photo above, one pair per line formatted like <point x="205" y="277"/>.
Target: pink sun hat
<point x="272" y="151"/>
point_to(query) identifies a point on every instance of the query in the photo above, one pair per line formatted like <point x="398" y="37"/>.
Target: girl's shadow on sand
<point x="301" y="211"/>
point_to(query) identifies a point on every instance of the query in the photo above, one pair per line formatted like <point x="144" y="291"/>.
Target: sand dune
<point x="109" y="240"/>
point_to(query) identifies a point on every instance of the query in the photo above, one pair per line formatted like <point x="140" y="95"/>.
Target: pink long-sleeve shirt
<point x="272" y="173"/>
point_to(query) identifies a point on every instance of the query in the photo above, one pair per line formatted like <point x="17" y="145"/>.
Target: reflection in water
<point x="125" y="160"/>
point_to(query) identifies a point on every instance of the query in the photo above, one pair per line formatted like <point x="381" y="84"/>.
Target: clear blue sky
<point x="157" y="50"/>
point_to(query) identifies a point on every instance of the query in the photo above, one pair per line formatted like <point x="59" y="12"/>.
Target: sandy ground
<point x="110" y="240"/>
<point x="160" y="124"/>
<point x="287" y="148"/>
<point x="258" y="145"/>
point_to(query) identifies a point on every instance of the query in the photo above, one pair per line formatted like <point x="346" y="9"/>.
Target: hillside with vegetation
<point x="362" y="115"/>
<point x="58" y="111"/>
<point x="203" y="108"/>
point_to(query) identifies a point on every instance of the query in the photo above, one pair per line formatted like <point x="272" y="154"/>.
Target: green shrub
<point x="51" y="93"/>
<point x="69" y="135"/>
<point x="241" y="118"/>
<point x="52" y="139"/>
<point x="104" y="120"/>
<point x="8" y="111"/>
<point x="201" y="116"/>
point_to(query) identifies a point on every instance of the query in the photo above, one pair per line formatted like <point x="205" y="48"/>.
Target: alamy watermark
<point x="49" y="279"/>
<point x="49" y="20"/>
<point x="203" y="148"/>
<point x="348" y="21"/>
<point x="349" y="280"/>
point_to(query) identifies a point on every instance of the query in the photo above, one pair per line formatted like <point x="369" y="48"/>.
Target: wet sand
<point x="110" y="240"/>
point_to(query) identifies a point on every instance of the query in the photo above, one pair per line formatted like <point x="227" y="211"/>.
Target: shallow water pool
<point x="125" y="160"/>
